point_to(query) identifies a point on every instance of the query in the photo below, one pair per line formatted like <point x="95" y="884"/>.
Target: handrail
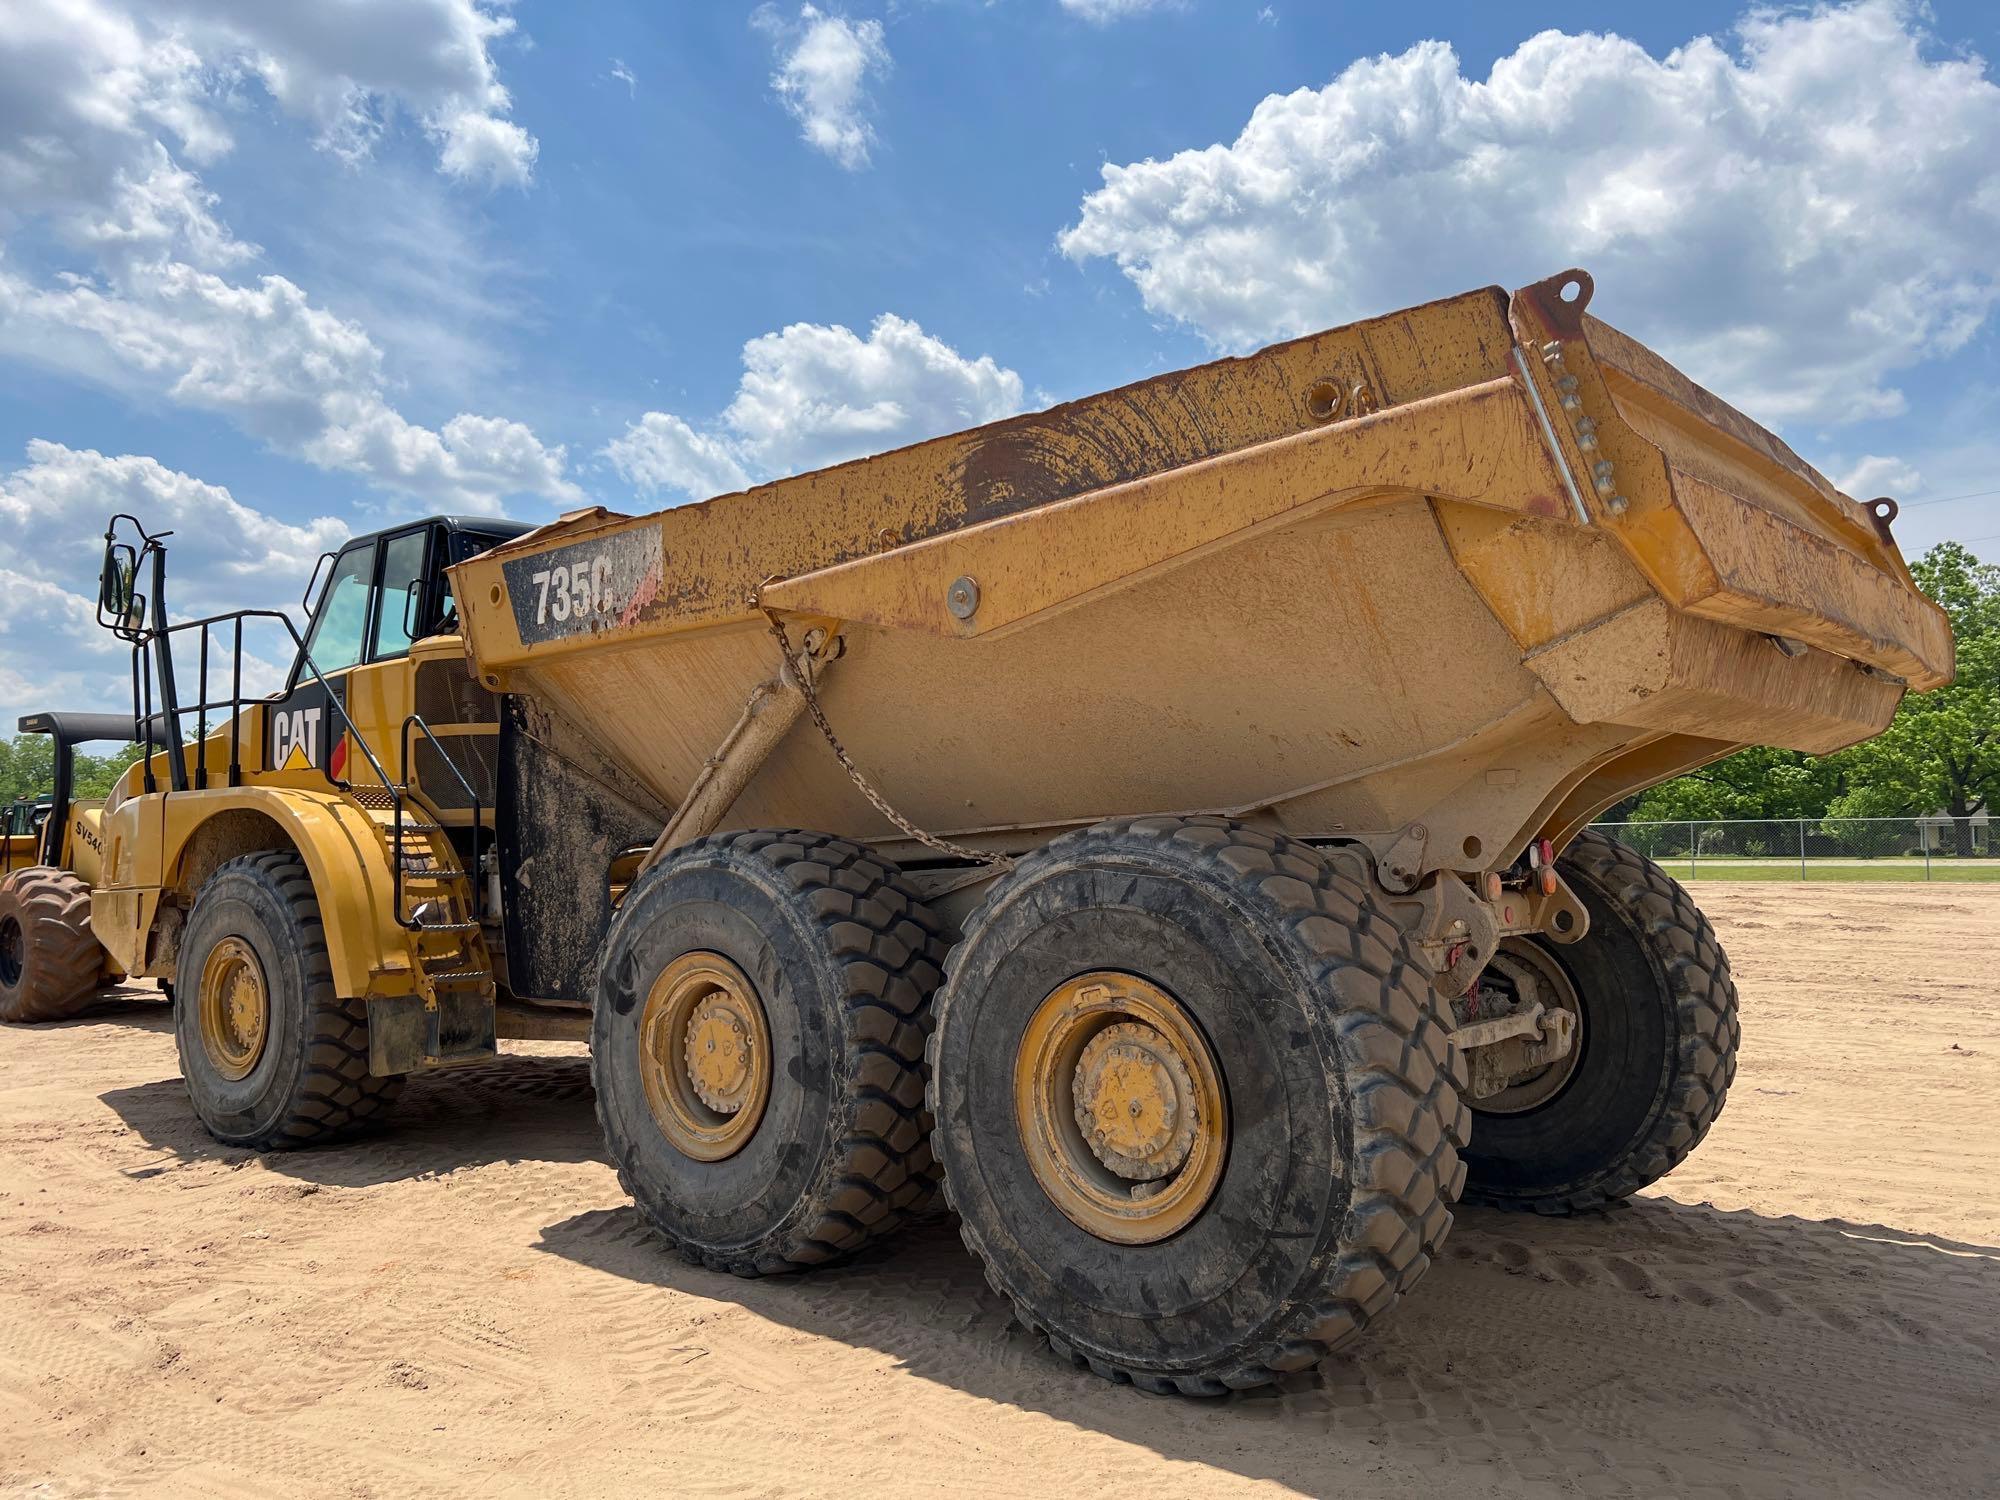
<point x="143" y="661"/>
<point x="472" y="867"/>
<point x="236" y="701"/>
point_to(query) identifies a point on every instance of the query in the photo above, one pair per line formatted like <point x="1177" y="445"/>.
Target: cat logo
<point x="295" y="738"/>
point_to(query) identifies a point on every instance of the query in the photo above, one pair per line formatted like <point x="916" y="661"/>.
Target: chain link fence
<point x="1937" y="848"/>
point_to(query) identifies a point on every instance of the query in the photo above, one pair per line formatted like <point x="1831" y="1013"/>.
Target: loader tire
<point x="272" y="1055"/>
<point x="50" y="964"/>
<point x="1174" y="949"/>
<point x="1656" y="1047"/>
<point x="818" y="960"/>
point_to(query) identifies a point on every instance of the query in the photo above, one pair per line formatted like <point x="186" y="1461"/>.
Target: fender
<point x="338" y="842"/>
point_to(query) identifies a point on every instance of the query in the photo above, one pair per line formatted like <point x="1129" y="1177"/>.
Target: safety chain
<point x="867" y="789"/>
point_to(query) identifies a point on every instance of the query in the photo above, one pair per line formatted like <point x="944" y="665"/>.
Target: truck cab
<point x="355" y="801"/>
<point x="369" y="605"/>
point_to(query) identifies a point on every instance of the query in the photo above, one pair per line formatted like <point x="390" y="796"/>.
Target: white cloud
<point x="1793" y="216"/>
<point x="661" y="452"/>
<point x="223" y="555"/>
<point x="487" y="150"/>
<point x="293" y="375"/>
<point x="1872" y="475"/>
<point x="1104" y="11"/>
<point x="97" y="110"/>
<point x="824" y="64"/>
<point x="625" y="76"/>
<point x="85" y="96"/>
<point x="812" y="395"/>
<point x="343" y="68"/>
<point x="88" y="88"/>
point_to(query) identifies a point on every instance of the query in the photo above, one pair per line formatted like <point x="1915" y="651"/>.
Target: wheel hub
<point x="1530" y="972"/>
<point x="1134" y="1102"/>
<point x="13" y="950"/>
<point x="233" y="1008"/>
<point x="718" y="1055"/>
<point x="1121" y="1108"/>
<point x="705" y="1056"/>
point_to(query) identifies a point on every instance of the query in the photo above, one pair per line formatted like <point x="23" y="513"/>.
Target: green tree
<point x="1942" y="751"/>
<point x="27" y="766"/>
<point x="28" y="769"/>
<point x="1756" y="783"/>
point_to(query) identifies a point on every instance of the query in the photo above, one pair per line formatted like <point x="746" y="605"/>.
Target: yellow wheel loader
<point x="1159" y="822"/>
<point x="51" y="967"/>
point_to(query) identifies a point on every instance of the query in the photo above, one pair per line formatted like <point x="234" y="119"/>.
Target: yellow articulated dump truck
<point x="1158" y="823"/>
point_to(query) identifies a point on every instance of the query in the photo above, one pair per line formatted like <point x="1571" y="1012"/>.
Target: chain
<point x="803" y="677"/>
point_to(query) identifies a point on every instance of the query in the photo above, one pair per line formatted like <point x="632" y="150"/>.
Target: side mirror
<point x="117" y="588"/>
<point x="413" y="611"/>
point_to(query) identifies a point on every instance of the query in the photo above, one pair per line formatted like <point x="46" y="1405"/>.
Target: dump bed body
<point x="1440" y="582"/>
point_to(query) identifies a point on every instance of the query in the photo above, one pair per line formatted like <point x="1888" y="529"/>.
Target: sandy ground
<point x="467" y="1305"/>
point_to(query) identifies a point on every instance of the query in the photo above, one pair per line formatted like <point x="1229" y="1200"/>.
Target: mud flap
<point x="565" y="814"/>
<point x="405" y="1037"/>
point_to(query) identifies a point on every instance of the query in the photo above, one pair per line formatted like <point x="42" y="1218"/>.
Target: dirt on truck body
<point x="1153" y="826"/>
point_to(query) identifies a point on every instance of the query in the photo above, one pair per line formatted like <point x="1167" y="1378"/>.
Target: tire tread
<point x="1708" y="1029"/>
<point x="336" y="1094"/>
<point x="890" y="948"/>
<point x="63" y="959"/>
<point x="1360" y="960"/>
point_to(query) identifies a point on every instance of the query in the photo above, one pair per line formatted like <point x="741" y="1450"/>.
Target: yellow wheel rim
<point x="705" y="1056"/>
<point x="1120" y="1107"/>
<point x="233" y="1008"/>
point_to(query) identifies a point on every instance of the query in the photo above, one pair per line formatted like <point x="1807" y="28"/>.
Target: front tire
<point x="273" y="1057"/>
<point x="1100" y="981"/>
<point x="50" y="964"/>
<point x="757" y="1047"/>
<point x="1657" y="1039"/>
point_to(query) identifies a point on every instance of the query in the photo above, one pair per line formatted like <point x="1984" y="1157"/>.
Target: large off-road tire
<point x="272" y="1055"/>
<point x="1654" y="1056"/>
<point x="1251" y="959"/>
<point x="817" y="960"/>
<point x="50" y="965"/>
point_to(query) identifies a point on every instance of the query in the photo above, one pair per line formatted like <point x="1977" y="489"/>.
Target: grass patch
<point x="1942" y="871"/>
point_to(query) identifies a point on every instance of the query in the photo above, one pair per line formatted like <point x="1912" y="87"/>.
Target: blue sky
<point x="280" y="271"/>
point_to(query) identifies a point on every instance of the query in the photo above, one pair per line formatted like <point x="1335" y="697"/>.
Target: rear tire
<point x="824" y="960"/>
<point x="299" y="1075"/>
<point x="50" y="964"/>
<point x="1657" y="1037"/>
<point x="1341" y="1119"/>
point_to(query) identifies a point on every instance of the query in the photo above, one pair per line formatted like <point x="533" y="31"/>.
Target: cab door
<point x="299" y="726"/>
<point x="377" y="690"/>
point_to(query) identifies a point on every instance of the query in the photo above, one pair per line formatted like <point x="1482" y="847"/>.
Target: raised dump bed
<point x="1442" y="582"/>
<point x="1239" y="727"/>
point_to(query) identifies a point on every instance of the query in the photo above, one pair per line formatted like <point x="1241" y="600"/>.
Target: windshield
<point x="339" y="626"/>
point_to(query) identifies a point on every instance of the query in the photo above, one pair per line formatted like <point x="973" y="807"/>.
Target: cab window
<point x="340" y="624"/>
<point x="402" y="565"/>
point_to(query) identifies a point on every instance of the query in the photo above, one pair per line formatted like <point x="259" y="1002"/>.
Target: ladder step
<point x="446" y="927"/>
<point x="456" y="977"/>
